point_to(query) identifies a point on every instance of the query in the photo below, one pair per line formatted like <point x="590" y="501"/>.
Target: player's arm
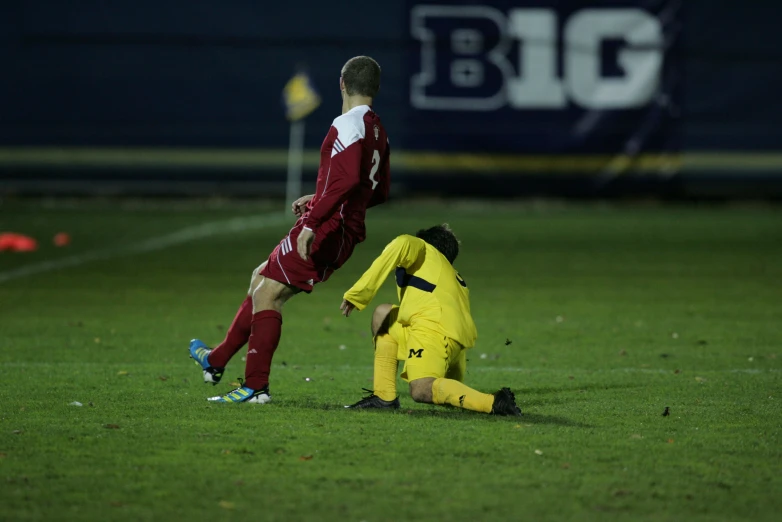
<point x="343" y="178"/>
<point x="380" y="194"/>
<point x="403" y="251"/>
<point x="299" y="207"/>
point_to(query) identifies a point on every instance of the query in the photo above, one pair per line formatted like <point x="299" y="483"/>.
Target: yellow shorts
<point x="426" y="352"/>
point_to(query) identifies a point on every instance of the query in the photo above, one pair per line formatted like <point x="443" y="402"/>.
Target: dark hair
<point x="443" y="239"/>
<point x="361" y="76"/>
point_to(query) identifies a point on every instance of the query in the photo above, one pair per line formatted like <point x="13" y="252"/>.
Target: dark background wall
<point x="204" y="74"/>
<point x="181" y="73"/>
<point x="732" y="75"/>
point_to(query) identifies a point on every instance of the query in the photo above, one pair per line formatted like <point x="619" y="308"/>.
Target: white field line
<point x="179" y="237"/>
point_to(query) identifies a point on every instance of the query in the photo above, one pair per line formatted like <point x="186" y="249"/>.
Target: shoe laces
<point x="265" y="389"/>
<point x="229" y="395"/>
<point x="367" y="398"/>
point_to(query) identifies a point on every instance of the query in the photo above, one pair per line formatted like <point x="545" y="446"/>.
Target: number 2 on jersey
<point x="375" y="166"/>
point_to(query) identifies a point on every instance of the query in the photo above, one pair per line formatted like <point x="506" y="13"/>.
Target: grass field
<point x="613" y="314"/>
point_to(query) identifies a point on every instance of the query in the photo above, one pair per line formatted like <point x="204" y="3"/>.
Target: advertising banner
<point x="544" y="77"/>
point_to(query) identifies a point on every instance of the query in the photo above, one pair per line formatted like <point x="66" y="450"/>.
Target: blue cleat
<point x="245" y="394"/>
<point x="200" y="353"/>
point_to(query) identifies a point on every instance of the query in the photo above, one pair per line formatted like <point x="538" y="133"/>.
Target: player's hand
<point x="304" y="243"/>
<point x="347" y="307"/>
<point x="300" y="205"/>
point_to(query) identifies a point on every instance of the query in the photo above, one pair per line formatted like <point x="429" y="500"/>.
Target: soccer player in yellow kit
<point x="431" y="329"/>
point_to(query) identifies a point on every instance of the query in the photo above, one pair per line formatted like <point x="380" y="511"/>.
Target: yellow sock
<point x="385" y="367"/>
<point x="455" y="393"/>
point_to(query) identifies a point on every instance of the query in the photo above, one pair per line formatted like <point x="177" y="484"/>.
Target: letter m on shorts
<point x="416" y="353"/>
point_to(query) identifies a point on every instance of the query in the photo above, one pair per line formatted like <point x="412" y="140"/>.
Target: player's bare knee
<point x="271" y="295"/>
<point x="421" y="390"/>
<point x="255" y="282"/>
<point x="379" y="319"/>
<point x="256" y="279"/>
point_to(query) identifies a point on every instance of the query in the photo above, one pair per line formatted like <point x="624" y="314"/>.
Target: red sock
<point x="266" y="330"/>
<point x="236" y="337"/>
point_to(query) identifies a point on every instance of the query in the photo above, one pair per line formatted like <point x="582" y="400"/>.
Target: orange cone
<point x="7" y="241"/>
<point x="62" y="239"/>
<point x="25" y="244"/>
<point x="17" y="242"/>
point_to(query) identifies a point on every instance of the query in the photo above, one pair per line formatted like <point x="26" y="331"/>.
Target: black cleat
<point x="505" y="403"/>
<point x="372" y="401"/>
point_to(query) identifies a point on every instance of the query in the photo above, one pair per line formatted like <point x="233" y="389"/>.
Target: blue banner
<point x="544" y="77"/>
<point x="571" y="97"/>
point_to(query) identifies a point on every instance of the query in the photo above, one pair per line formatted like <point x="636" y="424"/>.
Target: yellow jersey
<point x="432" y="294"/>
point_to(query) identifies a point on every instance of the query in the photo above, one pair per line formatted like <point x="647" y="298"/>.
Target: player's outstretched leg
<point x="505" y="403"/>
<point x="244" y="394"/>
<point x="213" y="362"/>
<point x="236" y="336"/>
<point x="454" y="393"/>
<point x="239" y="332"/>
<point x="266" y="329"/>
<point x="200" y="353"/>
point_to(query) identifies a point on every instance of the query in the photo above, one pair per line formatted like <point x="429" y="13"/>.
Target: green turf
<point x="613" y="315"/>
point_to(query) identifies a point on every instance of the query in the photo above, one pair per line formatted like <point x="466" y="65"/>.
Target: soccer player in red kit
<point x="353" y="176"/>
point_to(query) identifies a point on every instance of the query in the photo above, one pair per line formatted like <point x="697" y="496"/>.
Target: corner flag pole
<point x="300" y="99"/>
<point x="295" y="161"/>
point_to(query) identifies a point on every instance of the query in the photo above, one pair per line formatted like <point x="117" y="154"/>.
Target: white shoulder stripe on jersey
<point x="336" y="148"/>
<point x="350" y="128"/>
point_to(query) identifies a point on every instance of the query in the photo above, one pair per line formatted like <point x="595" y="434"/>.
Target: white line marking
<point x="283" y="270"/>
<point x="326" y="185"/>
<point x="185" y="235"/>
<point x="341" y="243"/>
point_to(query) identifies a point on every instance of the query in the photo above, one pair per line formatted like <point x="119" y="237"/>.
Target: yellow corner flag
<point x="300" y="97"/>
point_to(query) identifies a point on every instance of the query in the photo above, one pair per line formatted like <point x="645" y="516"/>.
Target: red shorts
<point x="333" y="246"/>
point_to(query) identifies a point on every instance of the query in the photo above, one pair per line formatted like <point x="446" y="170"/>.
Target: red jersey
<point x="354" y="172"/>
